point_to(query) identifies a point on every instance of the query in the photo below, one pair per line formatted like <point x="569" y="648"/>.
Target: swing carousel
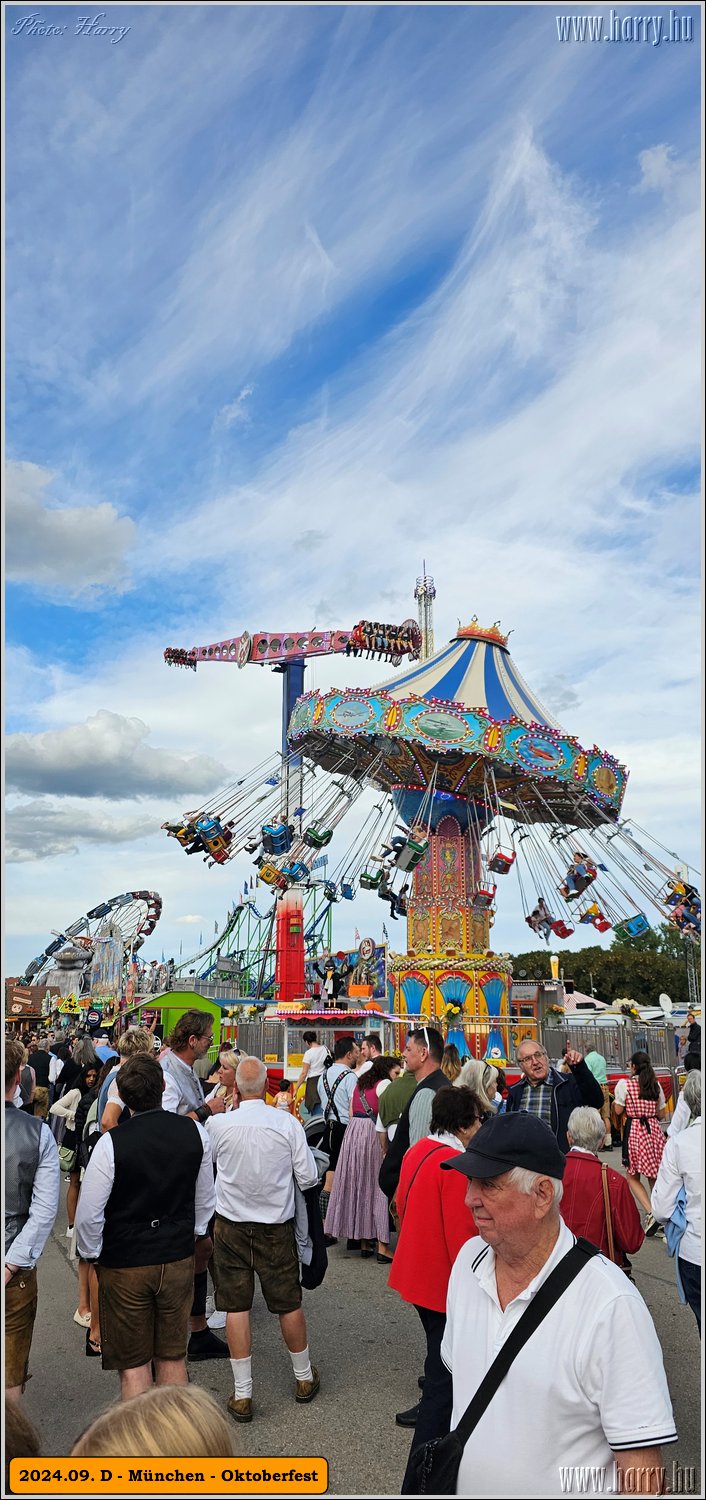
<point x="475" y="784"/>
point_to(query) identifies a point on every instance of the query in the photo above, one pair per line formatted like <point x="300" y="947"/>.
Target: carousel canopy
<point x="460" y="721"/>
<point x="475" y="670"/>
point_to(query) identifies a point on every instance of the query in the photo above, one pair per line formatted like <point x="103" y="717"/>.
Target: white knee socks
<point x="301" y="1364"/>
<point x="242" y="1377"/>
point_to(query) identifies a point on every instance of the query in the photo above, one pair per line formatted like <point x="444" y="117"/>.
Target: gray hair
<point x="251" y="1077"/>
<point x="477" y="1075"/>
<point x="84" y="1053"/>
<point x="43" y="1044"/>
<point x="586" y="1128"/>
<point x="692" y="1093"/>
<point x="524" y="1180"/>
<point x="537" y="1045"/>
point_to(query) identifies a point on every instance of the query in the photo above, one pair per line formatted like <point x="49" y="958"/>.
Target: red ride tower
<point x="289" y="946"/>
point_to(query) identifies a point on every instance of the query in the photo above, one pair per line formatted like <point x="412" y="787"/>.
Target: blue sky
<point x="297" y="296"/>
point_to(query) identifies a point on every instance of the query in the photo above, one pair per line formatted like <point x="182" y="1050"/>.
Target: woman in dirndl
<point x="358" y="1207"/>
<point x="644" y="1105"/>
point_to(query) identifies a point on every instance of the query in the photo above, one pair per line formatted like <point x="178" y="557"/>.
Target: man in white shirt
<point x="587" y="1392"/>
<point x="259" y="1153"/>
<point x="370" y="1048"/>
<point x="313" y="1064"/>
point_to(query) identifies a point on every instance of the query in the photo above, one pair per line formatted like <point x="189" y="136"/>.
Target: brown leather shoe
<point x="241" y="1411"/>
<point x="308" y="1389"/>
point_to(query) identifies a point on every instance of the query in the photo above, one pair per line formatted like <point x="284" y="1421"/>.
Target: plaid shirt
<point x="537" y="1100"/>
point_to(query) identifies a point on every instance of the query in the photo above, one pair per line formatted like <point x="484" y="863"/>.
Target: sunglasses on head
<point x="418" y="1033"/>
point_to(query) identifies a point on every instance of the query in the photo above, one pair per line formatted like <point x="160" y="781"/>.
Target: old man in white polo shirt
<point x="587" y="1392"/>
<point x="259" y="1153"/>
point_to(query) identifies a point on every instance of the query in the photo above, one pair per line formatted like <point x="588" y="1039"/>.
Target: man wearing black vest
<point x="422" y="1054"/>
<point x="32" y="1180"/>
<point x="146" y="1199"/>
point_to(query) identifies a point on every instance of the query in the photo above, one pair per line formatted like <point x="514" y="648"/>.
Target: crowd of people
<point x="499" y="1221"/>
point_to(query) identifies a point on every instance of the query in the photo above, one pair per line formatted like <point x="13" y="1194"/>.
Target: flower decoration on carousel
<point x="451" y="1010"/>
<point x="555" y="1010"/>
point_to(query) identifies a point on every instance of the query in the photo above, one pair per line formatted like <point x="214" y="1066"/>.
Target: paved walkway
<point x="369" y="1348"/>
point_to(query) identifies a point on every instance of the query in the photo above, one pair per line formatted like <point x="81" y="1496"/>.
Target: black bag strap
<point x="548" y="1295"/>
<point x="426" y="1156"/>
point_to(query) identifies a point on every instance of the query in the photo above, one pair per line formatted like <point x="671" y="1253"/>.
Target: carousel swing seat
<point x="632" y="926"/>
<point x="296" y="871"/>
<point x="347" y="891"/>
<point x="370" y="880"/>
<point x="330" y="890"/>
<point x="560" y="929"/>
<point x="502" y="861"/>
<point x="272" y="875"/>
<point x="317" y="838"/>
<point x="483" y="896"/>
<point x="410" y="856"/>
<point x="276" y="838"/>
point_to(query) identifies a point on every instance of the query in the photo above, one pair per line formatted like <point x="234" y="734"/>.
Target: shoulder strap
<point x="608" y="1213"/>
<point x="367" y="1107"/>
<point x="549" y="1293"/>
<point x="425" y="1157"/>
<point x="331" y="1105"/>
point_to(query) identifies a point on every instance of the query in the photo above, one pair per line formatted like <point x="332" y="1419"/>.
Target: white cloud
<point x="189" y="920"/>
<point x="106" y="756"/>
<point x="235" y="411"/>
<point x="42" y="830"/>
<point x="68" y="552"/>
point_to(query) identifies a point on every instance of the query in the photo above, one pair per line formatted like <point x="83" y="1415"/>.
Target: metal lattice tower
<point x="692" y="976"/>
<point x="425" y="594"/>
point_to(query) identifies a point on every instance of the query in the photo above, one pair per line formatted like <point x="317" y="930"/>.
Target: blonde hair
<point x="230" y="1059"/>
<point x="167" y="1421"/>
<point x="477" y="1075"/>
<point x="133" y="1041"/>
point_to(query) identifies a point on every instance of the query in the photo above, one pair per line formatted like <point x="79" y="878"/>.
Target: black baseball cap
<point x="507" y="1141"/>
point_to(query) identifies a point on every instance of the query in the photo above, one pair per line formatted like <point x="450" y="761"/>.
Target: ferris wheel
<point x="135" y="914"/>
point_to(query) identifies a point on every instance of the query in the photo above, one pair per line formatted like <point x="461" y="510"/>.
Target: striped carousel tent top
<point x="476" y="670"/>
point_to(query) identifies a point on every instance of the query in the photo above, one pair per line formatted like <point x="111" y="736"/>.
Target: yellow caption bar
<point x="176" y="1476"/>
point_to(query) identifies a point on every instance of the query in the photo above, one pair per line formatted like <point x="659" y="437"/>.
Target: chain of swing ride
<point x="545" y="848"/>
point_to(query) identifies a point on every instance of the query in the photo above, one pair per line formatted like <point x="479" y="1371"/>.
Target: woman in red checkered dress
<point x="644" y="1107"/>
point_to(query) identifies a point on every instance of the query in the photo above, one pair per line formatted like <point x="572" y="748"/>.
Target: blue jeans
<point x="691" y="1282"/>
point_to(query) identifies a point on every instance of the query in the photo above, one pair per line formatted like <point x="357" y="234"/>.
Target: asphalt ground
<point x="369" y="1348"/>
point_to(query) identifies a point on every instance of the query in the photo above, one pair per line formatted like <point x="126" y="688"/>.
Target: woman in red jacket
<point x="434" y="1224"/>
<point x="582" y="1201"/>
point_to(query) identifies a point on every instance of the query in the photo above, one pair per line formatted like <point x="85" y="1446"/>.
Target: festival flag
<point x="200" y="940"/>
<point x="215" y="928"/>
<point x="245" y="888"/>
<point x="356" y="935"/>
<point x="385" y="934"/>
<point x="181" y="946"/>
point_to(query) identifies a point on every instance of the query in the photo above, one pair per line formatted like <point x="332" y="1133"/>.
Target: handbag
<point x="67" y="1158"/>
<point x="435" y="1464"/>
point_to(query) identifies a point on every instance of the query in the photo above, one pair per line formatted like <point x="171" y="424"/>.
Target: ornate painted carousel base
<point x="427" y="985"/>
